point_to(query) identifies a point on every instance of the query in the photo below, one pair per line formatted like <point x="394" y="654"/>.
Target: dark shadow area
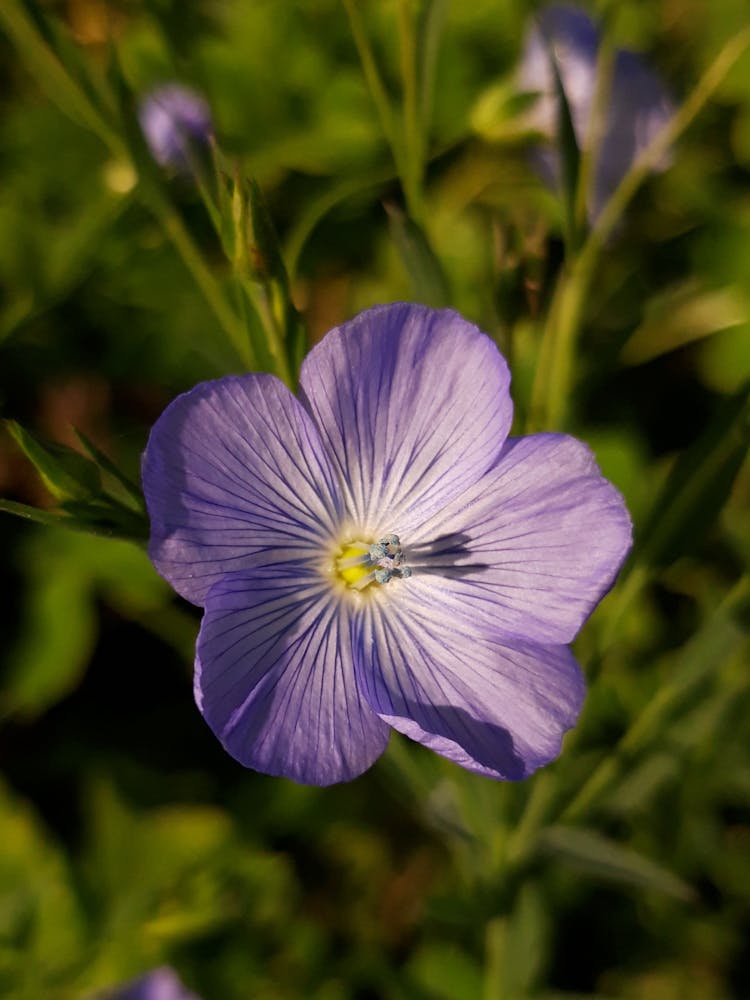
<point x="441" y="557"/>
<point x="491" y="746"/>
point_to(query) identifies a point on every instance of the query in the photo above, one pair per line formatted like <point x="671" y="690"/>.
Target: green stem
<point x="72" y="100"/>
<point x="377" y="89"/>
<point x="539" y="803"/>
<point x="317" y="208"/>
<point x="711" y="80"/>
<point x="204" y="278"/>
<point x="59" y="85"/>
<point x="413" y="144"/>
<point x="595" y="128"/>
<point x="652" y="719"/>
<point x="552" y="385"/>
<point x="372" y="76"/>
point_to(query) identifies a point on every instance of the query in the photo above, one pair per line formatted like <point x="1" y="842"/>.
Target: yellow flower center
<point x="361" y="563"/>
<point x="352" y="572"/>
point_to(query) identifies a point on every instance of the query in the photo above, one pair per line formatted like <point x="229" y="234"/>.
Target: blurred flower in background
<point x="176" y="122"/>
<point x="160" y="984"/>
<point x="636" y="108"/>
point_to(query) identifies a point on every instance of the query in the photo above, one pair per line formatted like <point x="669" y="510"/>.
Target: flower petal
<point x="533" y="546"/>
<point x="413" y="406"/>
<point x="159" y="984"/>
<point x="234" y="468"/>
<point x="275" y="682"/>
<point x="495" y="708"/>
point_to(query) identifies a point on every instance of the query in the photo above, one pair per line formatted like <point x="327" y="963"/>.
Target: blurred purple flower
<point x="638" y="105"/>
<point x="378" y="553"/>
<point x="175" y="121"/>
<point x="160" y="984"/>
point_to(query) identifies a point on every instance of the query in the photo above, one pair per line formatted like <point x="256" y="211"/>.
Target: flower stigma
<point x="362" y="563"/>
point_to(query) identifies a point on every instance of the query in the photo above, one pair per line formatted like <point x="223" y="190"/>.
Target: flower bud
<point x="176" y="123"/>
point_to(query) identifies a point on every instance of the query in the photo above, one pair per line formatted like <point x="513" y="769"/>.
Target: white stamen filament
<point x="385" y="556"/>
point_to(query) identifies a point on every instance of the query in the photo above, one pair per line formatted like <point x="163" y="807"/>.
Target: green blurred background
<point x="128" y="839"/>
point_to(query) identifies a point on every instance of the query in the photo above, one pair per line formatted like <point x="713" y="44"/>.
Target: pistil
<point x="361" y="563"/>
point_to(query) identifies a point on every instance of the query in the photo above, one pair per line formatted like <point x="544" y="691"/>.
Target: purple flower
<point x="175" y="121"/>
<point x="378" y="553"/>
<point x="638" y="106"/>
<point x="160" y="984"/>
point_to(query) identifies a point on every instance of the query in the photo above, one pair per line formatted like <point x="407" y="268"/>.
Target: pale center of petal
<point x="360" y="564"/>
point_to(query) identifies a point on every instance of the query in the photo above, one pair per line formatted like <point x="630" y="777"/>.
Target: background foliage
<point x="128" y="838"/>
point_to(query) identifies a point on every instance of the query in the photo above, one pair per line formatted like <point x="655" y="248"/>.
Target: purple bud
<point x="176" y="121"/>
<point x="637" y="107"/>
<point x="159" y="984"/>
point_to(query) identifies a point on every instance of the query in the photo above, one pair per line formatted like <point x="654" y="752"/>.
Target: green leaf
<point x="682" y="315"/>
<point x="445" y="972"/>
<point x="107" y="465"/>
<point x="53" y="76"/>
<point x="24" y="510"/>
<point x="500" y="113"/>
<point x="266" y="248"/>
<point x="698" y="486"/>
<point x="97" y="517"/>
<point x="517" y="946"/>
<point x="42" y="927"/>
<point x="429" y="31"/>
<point x="58" y="629"/>
<point x="65" y="473"/>
<point x="428" y="280"/>
<point x="68" y="573"/>
<point x="261" y="258"/>
<point x="722" y="636"/>
<point x="599" y="857"/>
<point x="105" y="516"/>
<point x="570" y="160"/>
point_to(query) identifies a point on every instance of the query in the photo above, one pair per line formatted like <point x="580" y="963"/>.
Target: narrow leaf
<point x="699" y="484"/>
<point x="107" y="465"/>
<point x="431" y="21"/>
<point x="29" y="513"/>
<point x="65" y="473"/>
<point x="681" y="315"/>
<point x="517" y="946"/>
<point x="267" y="249"/>
<point x="429" y="284"/>
<point x="598" y="857"/>
<point x="570" y="160"/>
<point x="92" y="517"/>
<point x="105" y="516"/>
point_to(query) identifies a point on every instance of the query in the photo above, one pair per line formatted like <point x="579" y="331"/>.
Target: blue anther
<point x="383" y="575"/>
<point x="377" y="552"/>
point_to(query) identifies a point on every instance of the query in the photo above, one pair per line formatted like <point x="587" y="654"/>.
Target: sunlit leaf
<point x="518" y="946"/>
<point x="65" y="473"/>
<point x="42" y="929"/>
<point x="30" y="513"/>
<point x="107" y="465"/>
<point x="681" y="315"/>
<point x="429" y="32"/>
<point x="446" y="972"/>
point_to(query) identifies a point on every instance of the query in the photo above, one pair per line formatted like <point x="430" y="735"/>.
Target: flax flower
<point x="159" y="984"/>
<point x="176" y="124"/>
<point x="636" y="109"/>
<point x="377" y="553"/>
